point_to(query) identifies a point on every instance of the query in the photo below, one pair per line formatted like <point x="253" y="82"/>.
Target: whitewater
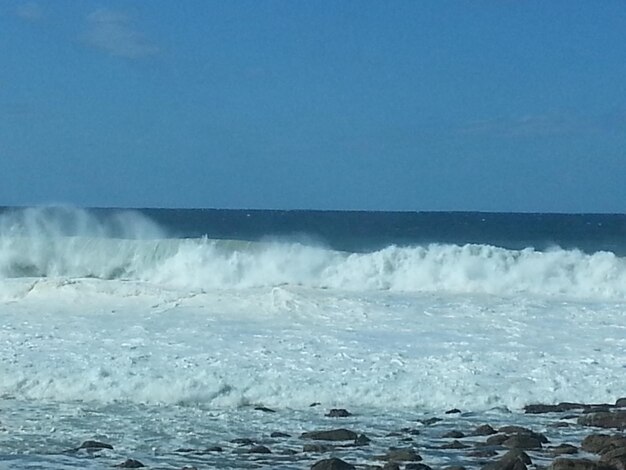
<point x="111" y="323"/>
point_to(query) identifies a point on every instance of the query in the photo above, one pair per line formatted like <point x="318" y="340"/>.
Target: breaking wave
<point x="71" y="243"/>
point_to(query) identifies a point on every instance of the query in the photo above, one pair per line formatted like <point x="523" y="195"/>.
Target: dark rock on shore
<point x="559" y="408"/>
<point x="264" y="409"/>
<point x="279" y="434"/>
<point x="605" y="419"/>
<point x="522" y="441"/>
<point x="130" y="463"/>
<point x="454" y="445"/>
<point x="453" y="411"/>
<point x="513" y="460"/>
<point x="577" y="464"/>
<point x="321" y="448"/>
<point x="242" y="441"/>
<point x="454" y="434"/>
<point x="484" y="430"/>
<point x="417" y="466"/>
<point x="259" y="450"/>
<point x="332" y="435"/>
<point x="429" y="421"/>
<point x="362" y="440"/>
<point x="95" y="445"/>
<point x="338" y="413"/>
<point x="621" y="403"/>
<point x="407" y="454"/>
<point x="601" y="443"/>
<point x="332" y="464"/>
<point x="563" y="449"/>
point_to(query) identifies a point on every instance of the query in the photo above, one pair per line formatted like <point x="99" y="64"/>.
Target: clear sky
<point x="495" y="105"/>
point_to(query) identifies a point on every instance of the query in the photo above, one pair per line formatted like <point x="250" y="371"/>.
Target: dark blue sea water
<point x="366" y="231"/>
<point x="360" y="231"/>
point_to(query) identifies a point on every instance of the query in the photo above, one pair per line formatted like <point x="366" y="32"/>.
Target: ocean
<point x="166" y="331"/>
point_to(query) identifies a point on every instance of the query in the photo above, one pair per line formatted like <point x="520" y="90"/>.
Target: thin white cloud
<point x="29" y="11"/>
<point x="114" y="33"/>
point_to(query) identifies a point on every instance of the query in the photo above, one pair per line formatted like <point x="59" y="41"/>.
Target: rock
<point x="406" y="454"/>
<point x="259" y="450"/>
<point x="242" y="441"/>
<point x="429" y="421"/>
<point x="453" y="411"/>
<point x="517" y="430"/>
<point x="411" y="431"/>
<point x="482" y="453"/>
<point x="605" y="419"/>
<point x="561" y="407"/>
<point x="332" y="435"/>
<point x="417" y="466"/>
<point x="264" y="409"/>
<point x="563" y="449"/>
<point x="454" y="434"/>
<point x="484" y="430"/>
<point x="362" y="440"/>
<point x="316" y="403"/>
<point x="189" y="467"/>
<point x="604" y="408"/>
<point x="621" y="403"/>
<point x="279" y="434"/>
<point x="576" y="464"/>
<point x="615" y="458"/>
<point x="332" y="464"/>
<point x="601" y="443"/>
<point x="321" y="448"/>
<point x="496" y="439"/>
<point x="95" y="445"/>
<point x="454" y="445"/>
<point x="338" y="413"/>
<point x="212" y="449"/>
<point x="513" y="460"/>
<point x="522" y="441"/>
<point x="455" y="467"/>
<point x="130" y="463"/>
<point x="391" y="466"/>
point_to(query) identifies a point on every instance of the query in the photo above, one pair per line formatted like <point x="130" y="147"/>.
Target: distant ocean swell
<point x="73" y="244"/>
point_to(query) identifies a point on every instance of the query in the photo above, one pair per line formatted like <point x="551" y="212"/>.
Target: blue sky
<point x="378" y="105"/>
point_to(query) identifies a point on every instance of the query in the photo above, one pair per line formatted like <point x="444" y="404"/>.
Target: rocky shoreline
<point x="566" y="436"/>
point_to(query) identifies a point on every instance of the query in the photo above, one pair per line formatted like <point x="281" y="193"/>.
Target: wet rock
<point x="576" y="464"/>
<point x="338" y="413"/>
<point x="189" y="467"/>
<point x="482" y="453"/>
<point x="331" y="435"/>
<point x="95" y="445"/>
<point x="429" y="421"/>
<point x="454" y="445"/>
<point x="453" y="411"/>
<point x="513" y="460"/>
<point x="391" y="466"/>
<point x="417" y="466"/>
<point x="332" y="464"/>
<point x="320" y="448"/>
<point x="242" y="441"/>
<point x="484" y="430"/>
<point x="496" y="439"/>
<point x="411" y="431"/>
<point x="561" y="407"/>
<point x="601" y="443"/>
<point x="316" y="403"/>
<point x="621" y="403"/>
<point x="259" y="450"/>
<point x="264" y="409"/>
<point x="454" y="434"/>
<point x="455" y="467"/>
<point x="212" y="449"/>
<point x="278" y="434"/>
<point x="615" y="458"/>
<point x="615" y="419"/>
<point x="604" y="408"/>
<point x="563" y="449"/>
<point x="406" y="454"/>
<point x="362" y="440"/>
<point x="518" y="430"/>
<point x="130" y="463"/>
<point x="522" y="441"/>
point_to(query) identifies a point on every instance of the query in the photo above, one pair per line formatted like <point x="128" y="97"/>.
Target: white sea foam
<point x="100" y="311"/>
<point x="198" y="264"/>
